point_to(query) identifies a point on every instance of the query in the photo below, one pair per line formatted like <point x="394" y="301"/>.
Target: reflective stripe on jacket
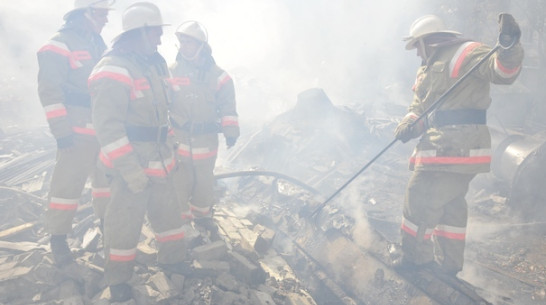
<point x="65" y="62"/>
<point x="126" y="91"/>
<point x="463" y="148"/>
<point x="202" y="95"/>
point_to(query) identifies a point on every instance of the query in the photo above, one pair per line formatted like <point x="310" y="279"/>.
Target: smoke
<point x="495" y="290"/>
<point x="23" y="28"/>
<point x="272" y="49"/>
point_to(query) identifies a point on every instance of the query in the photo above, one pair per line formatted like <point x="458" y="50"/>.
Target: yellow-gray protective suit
<point x="130" y="114"/>
<point x="65" y="63"/>
<point x="203" y="106"/>
<point x="454" y="147"/>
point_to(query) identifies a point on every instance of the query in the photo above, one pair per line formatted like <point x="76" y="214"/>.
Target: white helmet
<point x="423" y="26"/>
<point x="193" y="29"/>
<point x="139" y="15"/>
<point x="85" y="4"/>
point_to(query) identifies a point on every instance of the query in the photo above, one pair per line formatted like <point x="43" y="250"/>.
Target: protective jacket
<point x="203" y="106"/>
<point x="204" y="103"/>
<point x="130" y="113"/>
<point x="130" y="107"/>
<point x="457" y="138"/>
<point x="66" y="61"/>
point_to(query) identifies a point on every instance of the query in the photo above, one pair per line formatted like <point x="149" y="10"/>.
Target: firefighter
<point x="65" y="63"/>
<point x="454" y="142"/>
<point x="130" y="113"/>
<point x="203" y="106"/>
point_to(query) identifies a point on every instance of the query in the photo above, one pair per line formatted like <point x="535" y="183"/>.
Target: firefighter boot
<point x="60" y="250"/>
<point x="208" y="225"/>
<point x="120" y="293"/>
<point x="182" y="268"/>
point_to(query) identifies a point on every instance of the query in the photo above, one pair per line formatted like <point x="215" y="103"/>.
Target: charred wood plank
<point x="17" y="229"/>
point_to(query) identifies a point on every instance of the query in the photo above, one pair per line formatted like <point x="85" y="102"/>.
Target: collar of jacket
<point x="145" y="62"/>
<point x="203" y="62"/>
<point x="441" y="43"/>
<point x="80" y="27"/>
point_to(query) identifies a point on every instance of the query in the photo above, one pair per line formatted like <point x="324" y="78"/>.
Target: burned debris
<point x="264" y="247"/>
<point x="263" y="251"/>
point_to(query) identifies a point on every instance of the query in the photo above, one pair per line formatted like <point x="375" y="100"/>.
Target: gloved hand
<point x="230" y="141"/>
<point x="137" y="181"/>
<point x="407" y="129"/>
<point x="509" y="31"/>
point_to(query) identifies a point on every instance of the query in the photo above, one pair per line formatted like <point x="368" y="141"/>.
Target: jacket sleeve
<point x="111" y="90"/>
<point x="226" y="105"/>
<point x="508" y="64"/>
<point x="54" y="67"/>
<point x="416" y="106"/>
<point x="503" y="67"/>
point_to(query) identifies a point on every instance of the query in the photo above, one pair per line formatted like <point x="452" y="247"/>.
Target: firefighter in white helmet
<point x="65" y="62"/>
<point x="130" y="113"/>
<point x="203" y="106"/>
<point x="454" y="142"/>
<point x="426" y="26"/>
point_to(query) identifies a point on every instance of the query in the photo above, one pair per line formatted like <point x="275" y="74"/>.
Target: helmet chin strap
<point x="197" y="52"/>
<point x="422" y="49"/>
<point x="146" y="48"/>
<point x="96" y="27"/>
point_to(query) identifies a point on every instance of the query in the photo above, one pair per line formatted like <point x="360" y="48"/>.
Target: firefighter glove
<point x="408" y="129"/>
<point x="230" y="141"/>
<point x="137" y="181"/>
<point x="509" y="31"/>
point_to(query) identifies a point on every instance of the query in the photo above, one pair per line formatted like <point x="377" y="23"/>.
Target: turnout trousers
<point x="72" y="169"/>
<point x="124" y="217"/>
<point x="435" y="218"/>
<point x="195" y="182"/>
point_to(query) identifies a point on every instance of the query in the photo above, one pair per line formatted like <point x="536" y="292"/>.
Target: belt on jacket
<point x="147" y="133"/>
<point x="77" y="99"/>
<point x="198" y="128"/>
<point x="457" y="117"/>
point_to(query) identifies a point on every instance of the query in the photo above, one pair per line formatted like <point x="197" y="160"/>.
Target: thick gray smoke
<point x="273" y="49"/>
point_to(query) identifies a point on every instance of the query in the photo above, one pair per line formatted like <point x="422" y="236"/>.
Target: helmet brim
<point x="118" y="36"/>
<point x="410" y="44"/>
<point x="67" y="14"/>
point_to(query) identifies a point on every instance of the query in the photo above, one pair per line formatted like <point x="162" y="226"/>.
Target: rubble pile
<point x="221" y="274"/>
<point x="235" y="265"/>
<point x="263" y="250"/>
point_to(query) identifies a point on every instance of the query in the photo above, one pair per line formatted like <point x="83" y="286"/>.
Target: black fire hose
<point x="305" y="212"/>
<point x="268" y="173"/>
